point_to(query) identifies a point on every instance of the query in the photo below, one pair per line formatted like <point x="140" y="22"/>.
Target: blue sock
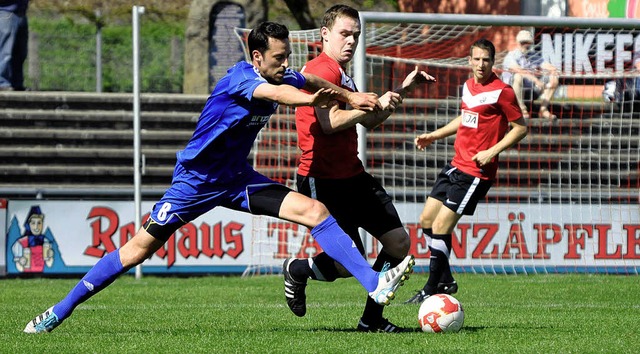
<point x="339" y="246"/>
<point x="99" y="277"/>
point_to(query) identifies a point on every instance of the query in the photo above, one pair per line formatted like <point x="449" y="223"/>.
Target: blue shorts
<point x="189" y="197"/>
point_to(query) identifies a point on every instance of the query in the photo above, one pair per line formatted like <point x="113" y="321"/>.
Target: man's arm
<point x="366" y="101"/>
<point x="526" y="73"/>
<point x="408" y="85"/>
<point x="291" y="96"/>
<point x="412" y="80"/>
<point x="424" y="140"/>
<point x="518" y="132"/>
<point x="335" y="119"/>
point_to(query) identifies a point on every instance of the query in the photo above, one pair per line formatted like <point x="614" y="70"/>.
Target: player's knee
<point x="396" y="243"/>
<point x="402" y="246"/>
<point x="132" y="255"/>
<point x="425" y="220"/>
<point x="440" y="227"/>
<point x="317" y="212"/>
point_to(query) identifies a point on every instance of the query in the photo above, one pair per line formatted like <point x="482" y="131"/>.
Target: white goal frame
<point x="616" y="216"/>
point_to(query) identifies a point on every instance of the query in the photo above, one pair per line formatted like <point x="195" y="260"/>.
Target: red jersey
<point x="487" y="110"/>
<point x="333" y="156"/>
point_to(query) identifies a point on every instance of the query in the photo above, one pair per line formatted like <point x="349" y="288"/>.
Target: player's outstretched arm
<point x="424" y="140"/>
<point x="392" y="100"/>
<point x="366" y="101"/>
<point x="291" y="96"/>
<point x="412" y="80"/>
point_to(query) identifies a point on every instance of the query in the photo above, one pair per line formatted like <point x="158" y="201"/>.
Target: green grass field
<point x="504" y="314"/>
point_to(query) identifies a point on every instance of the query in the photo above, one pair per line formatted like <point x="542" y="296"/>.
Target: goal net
<point x="566" y="197"/>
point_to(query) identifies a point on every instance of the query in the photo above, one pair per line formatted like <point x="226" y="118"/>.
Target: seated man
<point x="530" y="75"/>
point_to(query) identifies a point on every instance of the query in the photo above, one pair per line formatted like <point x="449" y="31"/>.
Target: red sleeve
<point x="509" y="104"/>
<point x="326" y="69"/>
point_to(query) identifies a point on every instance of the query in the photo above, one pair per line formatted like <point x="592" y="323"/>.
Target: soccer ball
<point x="440" y="313"/>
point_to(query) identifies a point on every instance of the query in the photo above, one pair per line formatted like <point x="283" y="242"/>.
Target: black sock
<point x="447" y="277"/>
<point x="372" y="310"/>
<point x="439" y="264"/>
<point x="301" y="269"/>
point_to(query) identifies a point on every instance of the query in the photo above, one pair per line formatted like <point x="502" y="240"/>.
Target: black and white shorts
<point x="459" y="191"/>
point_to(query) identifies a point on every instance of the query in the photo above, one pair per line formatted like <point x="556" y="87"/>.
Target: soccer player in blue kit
<point x="213" y="171"/>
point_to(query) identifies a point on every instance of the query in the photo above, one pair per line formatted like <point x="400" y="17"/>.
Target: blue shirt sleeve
<point x="294" y="78"/>
<point x="244" y="81"/>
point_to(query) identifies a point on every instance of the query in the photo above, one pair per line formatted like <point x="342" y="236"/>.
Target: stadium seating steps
<point x="83" y="142"/>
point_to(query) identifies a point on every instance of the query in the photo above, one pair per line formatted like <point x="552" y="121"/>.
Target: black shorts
<point x="459" y="191"/>
<point x="356" y="202"/>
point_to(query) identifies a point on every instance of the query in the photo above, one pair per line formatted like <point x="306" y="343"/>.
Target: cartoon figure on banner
<point x="34" y="250"/>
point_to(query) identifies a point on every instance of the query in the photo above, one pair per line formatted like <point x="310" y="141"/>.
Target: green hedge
<point x="63" y="57"/>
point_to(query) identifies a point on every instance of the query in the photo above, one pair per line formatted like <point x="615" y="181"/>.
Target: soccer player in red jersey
<point x="489" y="108"/>
<point x="331" y="172"/>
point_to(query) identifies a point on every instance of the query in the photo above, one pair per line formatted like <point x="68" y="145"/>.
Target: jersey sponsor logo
<point x="259" y="120"/>
<point x="470" y="119"/>
<point x="482" y="98"/>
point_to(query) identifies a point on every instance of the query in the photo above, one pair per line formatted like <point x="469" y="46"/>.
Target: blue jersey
<point x="229" y="124"/>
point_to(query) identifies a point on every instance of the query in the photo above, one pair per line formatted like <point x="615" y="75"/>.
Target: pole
<point x="137" y="173"/>
<point x="360" y="79"/>
<point x="98" y="52"/>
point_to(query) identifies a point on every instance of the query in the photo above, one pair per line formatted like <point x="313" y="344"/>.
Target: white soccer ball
<point x="441" y="313"/>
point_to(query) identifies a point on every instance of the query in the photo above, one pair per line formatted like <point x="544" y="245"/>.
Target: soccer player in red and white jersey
<point x="489" y="108"/>
<point x="331" y="172"/>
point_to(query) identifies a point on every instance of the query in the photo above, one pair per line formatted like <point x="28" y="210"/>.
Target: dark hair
<point x="259" y="36"/>
<point x="336" y="11"/>
<point x="485" y="44"/>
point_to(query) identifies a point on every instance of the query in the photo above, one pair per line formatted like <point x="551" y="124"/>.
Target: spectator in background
<point x="530" y="75"/>
<point x="14" y="35"/>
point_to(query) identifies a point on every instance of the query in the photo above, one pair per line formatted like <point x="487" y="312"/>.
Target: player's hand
<point x="482" y="157"/>
<point x="416" y="77"/>
<point x="424" y="140"/>
<point x="365" y="101"/>
<point x="390" y="101"/>
<point x="323" y="98"/>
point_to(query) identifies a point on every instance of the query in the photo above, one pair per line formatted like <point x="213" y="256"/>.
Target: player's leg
<point x="439" y="195"/>
<point x="103" y="273"/>
<point x="320" y="267"/>
<point x="295" y="207"/>
<point x="378" y="216"/>
<point x="179" y="204"/>
<point x="339" y="199"/>
<point x="435" y="221"/>
<point x="462" y="195"/>
<point x="447" y="283"/>
<point x="440" y="248"/>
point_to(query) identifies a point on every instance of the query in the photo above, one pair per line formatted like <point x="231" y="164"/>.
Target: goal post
<point x="567" y="196"/>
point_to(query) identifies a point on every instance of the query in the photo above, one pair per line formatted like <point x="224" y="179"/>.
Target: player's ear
<point x="256" y="56"/>
<point x="324" y="32"/>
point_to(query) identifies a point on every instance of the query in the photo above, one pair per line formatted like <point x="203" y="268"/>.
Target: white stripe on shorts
<point x="312" y="187"/>
<point x="467" y="196"/>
